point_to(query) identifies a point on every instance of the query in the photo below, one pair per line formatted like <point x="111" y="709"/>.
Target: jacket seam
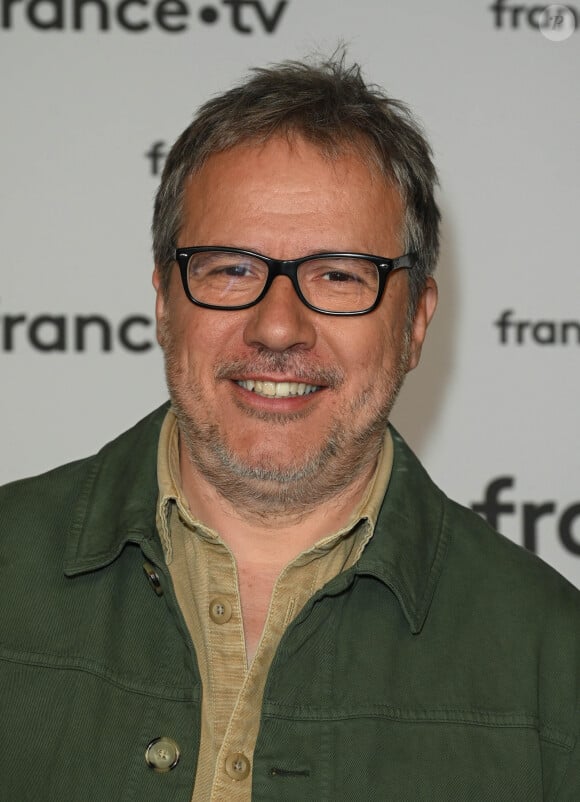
<point x="436" y="569"/>
<point x="83" y="502"/>
<point x="474" y="717"/>
<point x="58" y="663"/>
<point x="564" y="776"/>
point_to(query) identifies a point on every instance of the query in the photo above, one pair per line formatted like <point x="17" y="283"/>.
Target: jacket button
<point x="237" y="766"/>
<point x="162" y="754"/>
<point x="153" y="578"/>
<point x="220" y="610"/>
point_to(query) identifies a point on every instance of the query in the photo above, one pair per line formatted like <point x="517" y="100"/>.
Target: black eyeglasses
<point x="218" y="277"/>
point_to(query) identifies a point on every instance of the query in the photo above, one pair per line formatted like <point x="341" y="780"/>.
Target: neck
<point x="258" y="535"/>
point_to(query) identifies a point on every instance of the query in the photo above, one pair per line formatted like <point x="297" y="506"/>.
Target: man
<point x="257" y="593"/>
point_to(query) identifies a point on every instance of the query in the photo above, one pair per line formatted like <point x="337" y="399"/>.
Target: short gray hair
<point x="330" y="105"/>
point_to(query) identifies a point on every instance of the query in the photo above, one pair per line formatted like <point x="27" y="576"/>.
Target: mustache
<point x="302" y="368"/>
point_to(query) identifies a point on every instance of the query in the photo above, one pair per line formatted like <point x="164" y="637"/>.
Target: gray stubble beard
<point x="262" y="492"/>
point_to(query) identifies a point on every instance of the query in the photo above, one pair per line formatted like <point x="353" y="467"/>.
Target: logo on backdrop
<point x="519" y="331"/>
<point x="498" y="504"/>
<point x="156" y="156"/>
<point x="54" y="334"/>
<point x="555" y="22"/>
<point x="138" y="16"/>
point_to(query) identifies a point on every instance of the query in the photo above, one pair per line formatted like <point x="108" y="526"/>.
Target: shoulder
<point x="38" y="497"/>
<point x="52" y="499"/>
<point x="495" y="580"/>
<point x="506" y="616"/>
<point x="504" y="569"/>
<point x="476" y="549"/>
<point x="524" y="615"/>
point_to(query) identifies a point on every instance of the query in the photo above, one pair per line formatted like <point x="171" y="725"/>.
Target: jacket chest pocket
<point x="71" y="733"/>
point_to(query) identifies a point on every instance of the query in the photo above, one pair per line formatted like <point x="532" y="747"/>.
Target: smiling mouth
<point x="278" y="389"/>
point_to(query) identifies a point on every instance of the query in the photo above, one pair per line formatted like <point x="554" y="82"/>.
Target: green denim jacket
<point x="445" y="665"/>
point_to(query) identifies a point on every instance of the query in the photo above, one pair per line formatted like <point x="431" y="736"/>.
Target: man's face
<point x="292" y="450"/>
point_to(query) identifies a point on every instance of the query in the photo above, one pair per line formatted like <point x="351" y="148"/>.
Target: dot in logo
<point x="208" y="14"/>
<point x="557" y="23"/>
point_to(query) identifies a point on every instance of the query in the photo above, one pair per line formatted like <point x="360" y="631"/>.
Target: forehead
<point x="291" y="186"/>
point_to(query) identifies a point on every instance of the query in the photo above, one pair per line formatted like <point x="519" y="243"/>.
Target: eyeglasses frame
<point x="289" y="268"/>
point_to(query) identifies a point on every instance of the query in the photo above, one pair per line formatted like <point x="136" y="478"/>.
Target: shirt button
<point x="220" y="610"/>
<point x="162" y="754"/>
<point x="153" y="578"/>
<point x="237" y="766"/>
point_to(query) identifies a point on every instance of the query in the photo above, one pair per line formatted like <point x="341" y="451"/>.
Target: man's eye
<point x="234" y="270"/>
<point x="340" y="275"/>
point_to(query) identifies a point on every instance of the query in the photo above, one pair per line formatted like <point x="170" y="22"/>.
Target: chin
<point x="272" y="462"/>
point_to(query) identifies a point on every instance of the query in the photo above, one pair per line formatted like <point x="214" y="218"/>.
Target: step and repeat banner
<point x="93" y="93"/>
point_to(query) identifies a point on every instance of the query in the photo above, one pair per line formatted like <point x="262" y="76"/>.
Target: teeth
<point x="278" y="389"/>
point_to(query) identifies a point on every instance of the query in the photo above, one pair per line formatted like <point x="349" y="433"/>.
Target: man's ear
<point x="423" y="313"/>
<point x="160" y="299"/>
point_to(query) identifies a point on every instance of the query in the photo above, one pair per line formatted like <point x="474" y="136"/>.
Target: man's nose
<point x="280" y="321"/>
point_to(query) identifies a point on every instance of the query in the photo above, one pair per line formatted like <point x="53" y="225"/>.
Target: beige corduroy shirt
<point x="204" y="574"/>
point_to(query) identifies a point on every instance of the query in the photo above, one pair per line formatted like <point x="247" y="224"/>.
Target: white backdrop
<point x="89" y="86"/>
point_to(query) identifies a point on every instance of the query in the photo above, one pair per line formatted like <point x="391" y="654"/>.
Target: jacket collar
<point x="118" y="501"/>
<point x="408" y="548"/>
